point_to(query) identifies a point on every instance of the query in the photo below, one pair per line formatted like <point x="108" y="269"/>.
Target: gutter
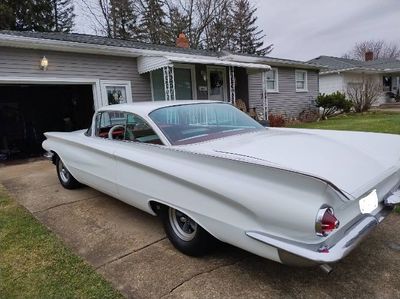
<point x="338" y="71"/>
<point x="272" y="61"/>
<point x="359" y="70"/>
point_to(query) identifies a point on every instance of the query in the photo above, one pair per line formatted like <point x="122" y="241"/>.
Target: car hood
<point x="349" y="160"/>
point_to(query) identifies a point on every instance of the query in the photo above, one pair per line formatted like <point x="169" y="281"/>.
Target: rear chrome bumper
<point x="48" y="156"/>
<point x="330" y="250"/>
<point x="392" y="199"/>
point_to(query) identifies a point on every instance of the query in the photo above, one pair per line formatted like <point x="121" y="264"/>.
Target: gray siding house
<point x="54" y="81"/>
<point x="339" y="74"/>
<point x="290" y="90"/>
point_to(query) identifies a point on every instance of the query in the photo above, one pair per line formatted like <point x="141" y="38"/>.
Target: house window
<point x="116" y="95"/>
<point x="115" y="92"/>
<point x="301" y="81"/>
<point x="157" y="85"/>
<point x="184" y="76"/>
<point x="272" y="80"/>
<point x="185" y="82"/>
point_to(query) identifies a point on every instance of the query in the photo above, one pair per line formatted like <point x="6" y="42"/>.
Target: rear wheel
<point x="65" y="177"/>
<point x="185" y="234"/>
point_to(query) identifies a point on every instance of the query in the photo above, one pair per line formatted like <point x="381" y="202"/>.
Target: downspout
<point x="264" y="96"/>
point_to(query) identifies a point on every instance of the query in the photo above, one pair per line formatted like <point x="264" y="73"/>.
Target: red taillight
<point x="326" y="222"/>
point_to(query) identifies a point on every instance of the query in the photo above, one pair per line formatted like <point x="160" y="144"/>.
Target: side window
<point x="137" y="129"/>
<point x="88" y="132"/>
<point x="124" y="126"/>
<point x="97" y="124"/>
<point x="111" y="122"/>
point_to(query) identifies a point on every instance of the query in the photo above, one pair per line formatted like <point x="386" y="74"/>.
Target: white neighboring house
<point x="339" y="73"/>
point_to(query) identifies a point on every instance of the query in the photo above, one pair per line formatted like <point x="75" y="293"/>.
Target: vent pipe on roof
<point x="369" y="55"/>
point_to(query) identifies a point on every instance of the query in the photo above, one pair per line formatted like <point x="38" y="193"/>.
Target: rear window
<point x="186" y="124"/>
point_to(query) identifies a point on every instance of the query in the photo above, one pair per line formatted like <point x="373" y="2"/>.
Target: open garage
<point x="29" y="110"/>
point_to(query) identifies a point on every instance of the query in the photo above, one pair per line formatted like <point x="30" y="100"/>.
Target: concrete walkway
<point x="129" y="248"/>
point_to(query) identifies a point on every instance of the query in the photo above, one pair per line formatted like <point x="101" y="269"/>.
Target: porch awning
<point x="151" y="63"/>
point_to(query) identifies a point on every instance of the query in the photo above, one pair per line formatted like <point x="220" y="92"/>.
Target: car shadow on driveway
<point x="129" y="248"/>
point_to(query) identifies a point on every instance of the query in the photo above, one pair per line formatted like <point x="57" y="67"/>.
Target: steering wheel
<point x="110" y="133"/>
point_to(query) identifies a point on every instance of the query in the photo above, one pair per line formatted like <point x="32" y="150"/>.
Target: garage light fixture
<point x="44" y="63"/>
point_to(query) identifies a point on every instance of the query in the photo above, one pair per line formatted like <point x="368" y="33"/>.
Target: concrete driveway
<point x="129" y="248"/>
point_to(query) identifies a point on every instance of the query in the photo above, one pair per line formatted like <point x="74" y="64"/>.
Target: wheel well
<point x="54" y="158"/>
<point x="156" y="206"/>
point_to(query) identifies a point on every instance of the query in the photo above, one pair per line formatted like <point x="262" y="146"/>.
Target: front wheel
<point x="185" y="234"/>
<point x="65" y="177"/>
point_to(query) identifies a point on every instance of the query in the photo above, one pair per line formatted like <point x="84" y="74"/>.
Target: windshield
<point x="186" y="124"/>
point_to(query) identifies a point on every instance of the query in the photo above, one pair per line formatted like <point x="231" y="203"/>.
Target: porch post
<point x="264" y="95"/>
<point x="169" y="83"/>
<point x="232" y="85"/>
<point x="398" y="83"/>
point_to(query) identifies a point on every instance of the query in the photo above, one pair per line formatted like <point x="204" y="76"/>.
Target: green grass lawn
<point x="35" y="264"/>
<point x="375" y="121"/>
<point x="381" y="122"/>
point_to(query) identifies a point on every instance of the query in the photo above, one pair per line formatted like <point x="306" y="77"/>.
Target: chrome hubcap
<point x="64" y="173"/>
<point x="184" y="227"/>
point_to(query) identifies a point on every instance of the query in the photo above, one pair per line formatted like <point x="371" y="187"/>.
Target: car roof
<point x="144" y="108"/>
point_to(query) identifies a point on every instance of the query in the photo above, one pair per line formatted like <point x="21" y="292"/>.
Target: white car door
<point x="96" y="162"/>
<point x="135" y="180"/>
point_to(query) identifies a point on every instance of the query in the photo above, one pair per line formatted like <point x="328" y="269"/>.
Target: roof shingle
<point x="338" y="63"/>
<point x="106" y="41"/>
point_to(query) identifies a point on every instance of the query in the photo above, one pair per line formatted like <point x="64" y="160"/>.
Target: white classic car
<point x="299" y="197"/>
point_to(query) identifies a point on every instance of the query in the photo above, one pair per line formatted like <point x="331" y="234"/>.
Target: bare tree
<point x="105" y="11"/>
<point x="218" y="34"/>
<point x="112" y="18"/>
<point x="379" y="48"/>
<point x="207" y="24"/>
<point x="198" y="14"/>
<point x="99" y="13"/>
<point x="124" y="19"/>
<point x="364" y="94"/>
<point x="177" y="22"/>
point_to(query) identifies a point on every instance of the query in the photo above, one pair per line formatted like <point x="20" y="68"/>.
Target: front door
<point x="217" y="83"/>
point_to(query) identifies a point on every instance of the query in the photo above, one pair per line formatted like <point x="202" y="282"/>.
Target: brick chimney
<point x="369" y="55"/>
<point x="182" y="41"/>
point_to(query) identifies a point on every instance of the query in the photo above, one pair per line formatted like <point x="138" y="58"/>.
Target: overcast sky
<point x="305" y="29"/>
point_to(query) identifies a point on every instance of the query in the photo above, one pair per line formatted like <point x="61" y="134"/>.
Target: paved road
<point x="129" y="248"/>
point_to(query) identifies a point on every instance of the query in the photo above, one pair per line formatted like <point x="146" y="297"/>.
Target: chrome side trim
<point x="322" y="253"/>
